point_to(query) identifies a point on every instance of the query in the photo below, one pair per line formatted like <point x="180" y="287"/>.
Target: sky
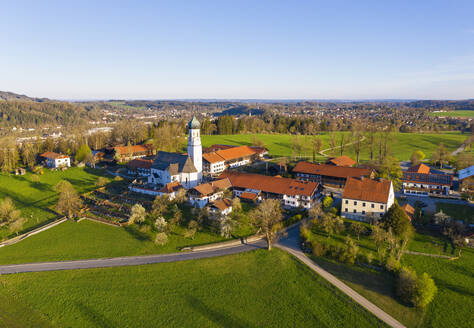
<point x="238" y="49"/>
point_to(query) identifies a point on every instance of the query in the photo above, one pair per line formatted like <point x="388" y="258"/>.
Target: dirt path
<point x="322" y="152"/>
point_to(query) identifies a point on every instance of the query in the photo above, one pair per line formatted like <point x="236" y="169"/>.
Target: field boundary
<point x="32" y="232"/>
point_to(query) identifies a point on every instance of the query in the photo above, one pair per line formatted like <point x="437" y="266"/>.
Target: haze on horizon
<point x="238" y="50"/>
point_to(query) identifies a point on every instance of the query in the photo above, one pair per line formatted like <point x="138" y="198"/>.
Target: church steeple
<point x="194" y="145"/>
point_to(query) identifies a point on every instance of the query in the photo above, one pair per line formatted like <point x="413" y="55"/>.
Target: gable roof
<point x="122" y="150"/>
<point x="282" y="186"/>
<point x="171" y="187"/>
<point x="235" y="152"/>
<point x="420" y="168"/>
<point x="431" y="178"/>
<point x="376" y="191"/>
<point x="53" y="155"/>
<point x="174" y="163"/>
<point x="212" y="157"/>
<point x="342" y="161"/>
<point x="331" y="170"/>
<point x="211" y="187"/>
<point x="409" y="210"/>
<point x="140" y="163"/>
<point x="221" y="204"/>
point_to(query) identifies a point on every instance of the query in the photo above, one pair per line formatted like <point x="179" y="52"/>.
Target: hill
<point x="6" y="95"/>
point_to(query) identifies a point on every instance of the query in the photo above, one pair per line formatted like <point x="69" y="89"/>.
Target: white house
<point x="364" y="198"/>
<point x="421" y="180"/>
<point x="55" y="160"/>
<point x="221" y="206"/>
<point x="205" y="193"/>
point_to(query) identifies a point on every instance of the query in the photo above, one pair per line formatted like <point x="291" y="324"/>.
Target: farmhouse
<point x="291" y="192"/>
<point x="170" y="189"/>
<point x="216" y="162"/>
<point x="128" y="153"/>
<point x="330" y="174"/>
<point x="204" y="193"/>
<point x="140" y="167"/>
<point x="421" y="180"/>
<point x="466" y="179"/>
<point x="55" y="160"/>
<point x="342" y="161"/>
<point x="365" y="198"/>
<point x="221" y="206"/>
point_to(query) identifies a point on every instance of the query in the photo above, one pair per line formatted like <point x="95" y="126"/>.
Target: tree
<point x="440" y="155"/>
<point x="350" y="250"/>
<point x="267" y="218"/>
<point x="8" y="212"/>
<point x="357" y="143"/>
<point x="317" y="144"/>
<point x="390" y="170"/>
<point x="417" y="157"/>
<point x="327" y="202"/>
<point x="416" y="290"/>
<point x="358" y="229"/>
<point x="180" y="196"/>
<point x="378" y="236"/>
<point x="425" y="291"/>
<point x="161" y="239"/>
<point x="83" y="153"/>
<point x="397" y="220"/>
<point x="161" y="225"/>
<point x="137" y="215"/>
<point x="342" y="142"/>
<point x="69" y="202"/>
<point x="16" y="225"/>
<point x="160" y="205"/>
<point x="101" y="181"/>
<point x="226" y="226"/>
<point x="330" y="224"/>
<point x="192" y="228"/>
<point x="236" y="204"/>
<point x="315" y="212"/>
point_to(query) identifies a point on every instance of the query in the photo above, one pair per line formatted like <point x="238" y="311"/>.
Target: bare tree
<point x="69" y="202"/>
<point x="267" y="218"/>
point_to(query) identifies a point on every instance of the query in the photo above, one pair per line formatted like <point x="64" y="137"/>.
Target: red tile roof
<point x="331" y="170"/>
<point x="212" y="187"/>
<point x="235" y="152"/>
<point x="140" y="163"/>
<point x="53" y="155"/>
<point x="409" y="210"/>
<point x="122" y="150"/>
<point x="249" y="195"/>
<point x="222" y="204"/>
<point x="212" y="157"/>
<point x="420" y="168"/>
<point x="376" y="191"/>
<point x="171" y="187"/>
<point x="282" y="186"/>
<point x="342" y="161"/>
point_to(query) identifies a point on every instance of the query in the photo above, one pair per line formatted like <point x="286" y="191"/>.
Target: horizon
<point x="270" y="50"/>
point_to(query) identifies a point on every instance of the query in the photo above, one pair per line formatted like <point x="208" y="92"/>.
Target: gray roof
<point x="174" y="163"/>
<point x="194" y="123"/>
<point x="466" y="173"/>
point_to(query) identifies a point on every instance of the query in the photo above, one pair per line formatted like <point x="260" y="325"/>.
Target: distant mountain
<point x="6" y="95"/>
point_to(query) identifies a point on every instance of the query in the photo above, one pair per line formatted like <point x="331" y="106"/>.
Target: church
<point x="185" y="169"/>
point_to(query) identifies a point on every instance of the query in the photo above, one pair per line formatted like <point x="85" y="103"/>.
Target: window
<point x="363" y="212"/>
<point x="347" y="202"/>
<point x="381" y="207"/>
<point x="355" y="203"/>
<point x="373" y="206"/>
<point x="345" y="210"/>
<point x="355" y="211"/>
<point x="381" y="214"/>
<point x="363" y="204"/>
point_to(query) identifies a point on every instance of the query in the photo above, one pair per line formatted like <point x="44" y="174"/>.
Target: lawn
<point x="37" y="199"/>
<point x="402" y="146"/>
<point x="455" y="113"/>
<point x="254" y="289"/>
<point x="87" y="239"/>
<point x="457" y="211"/>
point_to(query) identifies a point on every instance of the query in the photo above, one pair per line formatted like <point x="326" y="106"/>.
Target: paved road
<point x="291" y="245"/>
<point x="129" y="260"/>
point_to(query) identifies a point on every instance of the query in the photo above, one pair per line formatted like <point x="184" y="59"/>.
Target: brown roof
<point x="259" y="150"/>
<point x="122" y="150"/>
<point x="171" y="187"/>
<point x="53" y="155"/>
<point x="249" y="195"/>
<point x="235" y="152"/>
<point x="222" y="204"/>
<point x="331" y="170"/>
<point x="212" y="157"/>
<point x="409" y="210"/>
<point x="140" y="163"/>
<point x="209" y="188"/>
<point x="376" y="191"/>
<point x="282" y="186"/>
<point x="420" y="168"/>
<point x="216" y="147"/>
<point x="342" y="161"/>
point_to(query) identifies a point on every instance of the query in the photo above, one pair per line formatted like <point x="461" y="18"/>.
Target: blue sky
<point x="238" y="49"/>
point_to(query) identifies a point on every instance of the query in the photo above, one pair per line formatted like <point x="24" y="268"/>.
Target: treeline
<point x="29" y="114"/>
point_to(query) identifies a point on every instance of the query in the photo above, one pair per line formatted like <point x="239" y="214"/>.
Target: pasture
<point x="455" y="113"/>
<point x="254" y="289"/>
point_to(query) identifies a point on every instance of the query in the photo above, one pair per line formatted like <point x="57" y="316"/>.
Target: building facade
<point x="55" y="160"/>
<point x="421" y="180"/>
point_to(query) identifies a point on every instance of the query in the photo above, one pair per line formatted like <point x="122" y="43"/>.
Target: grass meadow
<point x="88" y="239"/>
<point x="254" y="289"/>
<point x="455" y="113"/>
<point x="402" y="146"/>
<point x="37" y="198"/>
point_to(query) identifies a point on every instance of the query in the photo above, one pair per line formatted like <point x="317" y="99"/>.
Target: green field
<point x="457" y="211"/>
<point x="402" y="146"/>
<point x="255" y="289"/>
<point x="87" y="239"/>
<point x="455" y="113"/>
<point x="37" y="199"/>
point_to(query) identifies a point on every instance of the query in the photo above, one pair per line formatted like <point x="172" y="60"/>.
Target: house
<point x="342" y="161"/>
<point x="140" y="167"/>
<point x="220" y="206"/>
<point x="329" y="174"/>
<point x="292" y="193"/>
<point x="364" y="198"/>
<point x="215" y="162"/>
<point x="204" y="193"/>
<point x="55" y="160"/>
<point x="421" y="180"/>
<point x="466" y="179"/>
<point x="169" y="189"/>
<point x="128" y="153"/>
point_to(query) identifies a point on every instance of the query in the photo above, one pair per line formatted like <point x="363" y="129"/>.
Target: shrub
<point x="305" y="233"/>
<point x="392" y="264"/>
<point x="327" y="202"/>
<point x="425" y="291"/>
<point x="101" y="181"/>
<point x="161" y="239"/>
<point x="318" y="249"/>
<point x="160" y="224"/>
<point x="417" y="291"/>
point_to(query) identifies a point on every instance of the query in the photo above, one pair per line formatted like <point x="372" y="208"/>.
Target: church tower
<point x="194" y="145"/>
